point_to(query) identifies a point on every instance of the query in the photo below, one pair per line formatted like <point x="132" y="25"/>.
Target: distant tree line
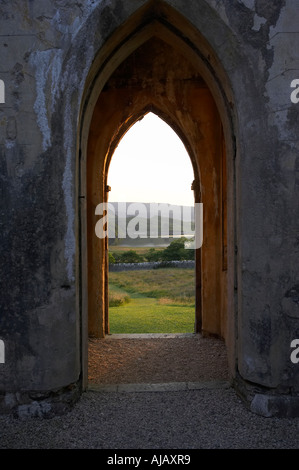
<point x="176" y="251"/>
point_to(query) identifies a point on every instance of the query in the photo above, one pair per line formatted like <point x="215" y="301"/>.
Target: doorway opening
<point x="160" y="73"/>
<point x="151" y="259"/>
<point x="187" y="105"/>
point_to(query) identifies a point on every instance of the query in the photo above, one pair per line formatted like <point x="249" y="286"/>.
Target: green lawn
<point x="160" y="301"/>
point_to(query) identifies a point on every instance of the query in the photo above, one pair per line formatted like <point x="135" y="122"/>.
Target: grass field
<point x="152" y="301"/>
<point x="141" y="250"/>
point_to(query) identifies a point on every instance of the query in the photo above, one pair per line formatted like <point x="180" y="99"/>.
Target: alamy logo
<point x="2" y="352"/>
<point x="2" y="92"/>
<point x="295" y="354"/>
<point x="153" y="220"/>
<point x="295" y="93"/>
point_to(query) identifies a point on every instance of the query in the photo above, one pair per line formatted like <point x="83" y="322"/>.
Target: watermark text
<point x="295" y="354"/>
<point x="2" y="92"/>
<point x="2" y="352"/>
<point x="295" y="93"/>
<point x="153" y="220"/>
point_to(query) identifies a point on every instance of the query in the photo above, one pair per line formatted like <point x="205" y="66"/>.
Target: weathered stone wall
<point x="48" y="49"/>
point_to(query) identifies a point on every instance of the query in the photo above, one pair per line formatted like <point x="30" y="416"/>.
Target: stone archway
<point x="244" y="54"/>
<point x="142" y="74"/>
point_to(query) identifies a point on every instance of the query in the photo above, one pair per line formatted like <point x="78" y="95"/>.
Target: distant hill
<point x="148" y="224"/>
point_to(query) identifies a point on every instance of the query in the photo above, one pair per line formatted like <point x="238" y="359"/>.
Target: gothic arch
<point x="155" y="22"/>
<point x="131" y="119"/>
<point x="136" y="116"/>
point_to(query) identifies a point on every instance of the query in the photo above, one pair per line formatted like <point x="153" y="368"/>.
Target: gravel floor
<point x="207" y="418"/>
<point x="194" y="419"/>
<point x="156" y="359"/>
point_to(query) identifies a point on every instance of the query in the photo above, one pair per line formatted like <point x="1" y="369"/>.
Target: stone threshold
<point x="149" y="335"/>
<point x="159" y="387"/>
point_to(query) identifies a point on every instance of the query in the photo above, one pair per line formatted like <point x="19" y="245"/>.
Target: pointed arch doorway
<point x="150" y="179"/>
<point x="158" y="71"/>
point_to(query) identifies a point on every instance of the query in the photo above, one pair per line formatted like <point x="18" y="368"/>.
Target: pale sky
<point x="151" y="164"/>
